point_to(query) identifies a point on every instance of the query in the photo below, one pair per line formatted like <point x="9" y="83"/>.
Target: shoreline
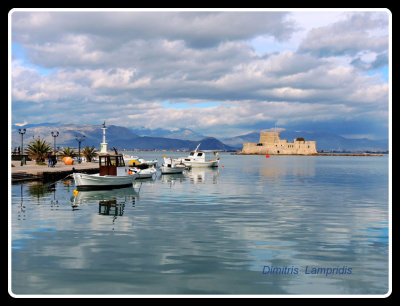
<point x="31" y="171"/>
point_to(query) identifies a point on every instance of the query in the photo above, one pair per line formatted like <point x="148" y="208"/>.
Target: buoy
<point x="76" y="192"/>
<point x="222" y="166"/>
<point x="267" y="154"/>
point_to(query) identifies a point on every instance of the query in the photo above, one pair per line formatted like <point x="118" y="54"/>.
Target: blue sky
<point x="220" y="73"/>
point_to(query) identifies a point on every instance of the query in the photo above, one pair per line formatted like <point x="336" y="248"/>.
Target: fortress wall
<point x="270" y="142"/>
<point x="269" y="137"/>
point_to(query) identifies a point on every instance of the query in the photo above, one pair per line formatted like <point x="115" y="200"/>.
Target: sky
<point x="220" y="73"/>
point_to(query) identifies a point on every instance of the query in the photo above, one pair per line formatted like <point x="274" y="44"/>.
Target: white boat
<point x="112" y="174"/>
<point x="144" y="173"/>
<point x="170" y="166"/>
<point x="131" y="160"/>
<point x="198" y="159"/>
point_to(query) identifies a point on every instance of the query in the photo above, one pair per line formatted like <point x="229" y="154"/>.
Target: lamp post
<point x="79" y="140"/>
<point x="22" y="132"/>
<point x="55" y="134"/>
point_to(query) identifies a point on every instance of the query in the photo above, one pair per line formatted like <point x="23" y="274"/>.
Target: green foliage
<point x="89" y="153"/>
<point x="38" y="149"/>
<point x="68" y="152"/>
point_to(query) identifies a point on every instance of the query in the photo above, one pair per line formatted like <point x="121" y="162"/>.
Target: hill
<point x="116" y="136"/>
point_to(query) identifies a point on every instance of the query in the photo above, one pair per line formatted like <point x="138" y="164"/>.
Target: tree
<point x="89" y="153"/>
<point x="38" y="149"/>
<point x="68" y="152"/>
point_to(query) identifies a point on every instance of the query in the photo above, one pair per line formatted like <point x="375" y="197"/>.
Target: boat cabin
<point x="195" y="155"/>
<point x="108" y="164"/>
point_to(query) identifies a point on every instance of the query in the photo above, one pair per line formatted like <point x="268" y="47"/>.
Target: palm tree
<point x="89" y="153"/>
<point x="38" y="149"/>
<point x="68" y="152"/>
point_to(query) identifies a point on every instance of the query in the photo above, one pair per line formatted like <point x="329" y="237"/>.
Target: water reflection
<point x="201" y="175"/>
<point x="283" y="166"/>
<point x="171" y="179"/>
<point x="21" y="211"/>
<point x="106" y="197"/>
<point x="110" y="202"/>
<point x="207" y="231"/>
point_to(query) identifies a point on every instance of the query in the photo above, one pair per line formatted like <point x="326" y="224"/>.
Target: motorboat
<point x="112" y="174"/>
<point x="170" y="166"/>
<point x="131" y="160"/>
<point x="143" y="173"/>
<point x="197" y="158"/>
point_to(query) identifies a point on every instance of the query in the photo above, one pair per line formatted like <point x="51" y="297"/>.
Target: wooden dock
<point x="31" y="171"/>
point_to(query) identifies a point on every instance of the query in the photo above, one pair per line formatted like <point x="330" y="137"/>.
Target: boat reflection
<point x="111" y="207"/>
<point x="201" y="175"/>
<point x="108" y="200"/>
<point x="168" y="178"/>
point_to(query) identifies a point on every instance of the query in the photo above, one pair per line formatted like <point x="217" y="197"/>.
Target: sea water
<point x="284" y="225"/>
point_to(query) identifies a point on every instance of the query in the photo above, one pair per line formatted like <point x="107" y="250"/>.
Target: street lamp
<point x="22" y="132"/>
<point x="55" y="134"/>
<point x="79" y="140"/>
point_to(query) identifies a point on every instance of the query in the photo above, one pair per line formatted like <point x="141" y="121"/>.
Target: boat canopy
<point x="108" y="164"/>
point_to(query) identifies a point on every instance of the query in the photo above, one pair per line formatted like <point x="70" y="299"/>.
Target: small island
<point x="270" y="143"/>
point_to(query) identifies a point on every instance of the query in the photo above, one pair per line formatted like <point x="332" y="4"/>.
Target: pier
<point x="32" y="171"/>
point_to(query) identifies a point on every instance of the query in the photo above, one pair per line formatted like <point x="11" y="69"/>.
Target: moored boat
<point x="198" y="159"/>
<point x="112" y="174"/>
<point x="170" y="166"/>
<point x="143" y="173"/>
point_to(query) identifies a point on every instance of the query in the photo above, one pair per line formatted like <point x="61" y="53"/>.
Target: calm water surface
<point x="255" y="225"/>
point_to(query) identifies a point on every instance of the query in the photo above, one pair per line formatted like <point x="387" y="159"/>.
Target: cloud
<point x="122" y="66"/>
<point x="104" y="30"/>
<point x="358" y="32"/>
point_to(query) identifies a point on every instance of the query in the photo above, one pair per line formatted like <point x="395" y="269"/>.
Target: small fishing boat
<point x="170" y="166"/>
<point x="112" y="174"/>
<point x="143" y="173"/>
<point x="131" y="160"/>
<point x="198" y="159"/>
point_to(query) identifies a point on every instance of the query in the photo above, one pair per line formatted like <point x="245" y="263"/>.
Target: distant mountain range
<point x="179" y="139"/>
<point x="118" y="137"/>
<point x="183" y="134"/>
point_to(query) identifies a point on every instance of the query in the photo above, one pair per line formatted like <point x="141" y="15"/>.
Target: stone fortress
<point x="271" y="143"/>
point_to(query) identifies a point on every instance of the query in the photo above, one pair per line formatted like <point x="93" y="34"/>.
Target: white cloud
<point x="122" y="65"/>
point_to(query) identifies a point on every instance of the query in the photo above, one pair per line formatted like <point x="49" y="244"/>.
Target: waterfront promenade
<point x="32" y="171"/>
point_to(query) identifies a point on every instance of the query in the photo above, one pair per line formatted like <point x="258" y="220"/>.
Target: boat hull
<point x="172" y="170"/>
<point x="95" y="181"/>
<point x="145" y="173"/>
<point x="201" y="164"/>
